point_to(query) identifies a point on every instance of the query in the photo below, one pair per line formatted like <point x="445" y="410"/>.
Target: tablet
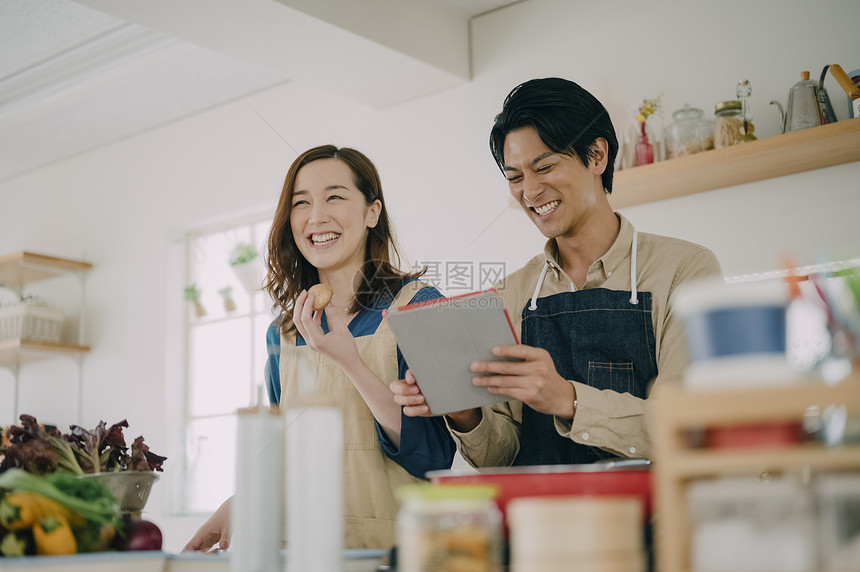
<point x="441" y="338"/>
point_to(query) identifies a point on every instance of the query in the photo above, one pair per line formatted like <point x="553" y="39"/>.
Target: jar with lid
<point x="689" y="133"/>
<point x="729" y="117"/>
<point x="443" y="527"/>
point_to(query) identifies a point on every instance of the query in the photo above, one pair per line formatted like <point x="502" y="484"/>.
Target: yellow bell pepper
<point x="24" y="509"/>
<point x="54" y="537"/>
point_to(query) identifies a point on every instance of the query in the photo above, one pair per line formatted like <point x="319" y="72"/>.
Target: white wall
<point x="119" y="206"/>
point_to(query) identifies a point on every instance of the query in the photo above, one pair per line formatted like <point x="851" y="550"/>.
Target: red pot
<point x="631" y="477"/>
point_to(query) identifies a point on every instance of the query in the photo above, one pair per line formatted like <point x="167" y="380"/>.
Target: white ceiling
<point x="78" y="75"/>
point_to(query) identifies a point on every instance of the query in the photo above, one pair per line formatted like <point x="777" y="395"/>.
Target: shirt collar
<point x="613" y="257"/>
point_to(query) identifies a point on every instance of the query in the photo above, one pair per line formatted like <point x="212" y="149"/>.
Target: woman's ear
<point x="373" y="211"/>
<point x="598" y="155"/>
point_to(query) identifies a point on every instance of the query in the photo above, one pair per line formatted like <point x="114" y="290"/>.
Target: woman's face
<point x="329" y="217"/>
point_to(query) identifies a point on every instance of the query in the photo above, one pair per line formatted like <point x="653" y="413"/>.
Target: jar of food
<point x="689" y="133"/>
<point x="448" y="527"/>
<point x="729" y="117"/>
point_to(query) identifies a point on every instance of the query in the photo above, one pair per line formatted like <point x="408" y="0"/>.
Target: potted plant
<point x="246" y="265"/>
<point x="192" y="294"/>
<point x="227" y="295"/>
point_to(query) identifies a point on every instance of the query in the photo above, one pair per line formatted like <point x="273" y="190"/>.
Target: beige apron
<point x="370" y="478"/>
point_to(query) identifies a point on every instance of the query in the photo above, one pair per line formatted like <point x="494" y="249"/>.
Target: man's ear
<point x="373" y="212"/>
<point x="598" y="155"/>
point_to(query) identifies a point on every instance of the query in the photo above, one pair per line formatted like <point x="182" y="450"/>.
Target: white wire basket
<point x="31" y="322"/>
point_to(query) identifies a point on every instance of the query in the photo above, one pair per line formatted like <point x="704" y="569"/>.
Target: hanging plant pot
<point x="199" y="309"/>
<point x="227" y="296"/>
<point x="247" y="266"/>
<point x="192" y="294"/>
<point x="250" y="275"/>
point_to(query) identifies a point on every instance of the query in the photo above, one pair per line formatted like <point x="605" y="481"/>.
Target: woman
<point x="331" y="226"/>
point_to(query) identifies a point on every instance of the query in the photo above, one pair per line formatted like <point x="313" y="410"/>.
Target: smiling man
<point x="593" y="309"/>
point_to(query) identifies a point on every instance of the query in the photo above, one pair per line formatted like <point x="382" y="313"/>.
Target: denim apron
<point x="603" y="338"/>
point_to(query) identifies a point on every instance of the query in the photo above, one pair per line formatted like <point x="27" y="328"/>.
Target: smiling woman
<point x="331" y="228"/>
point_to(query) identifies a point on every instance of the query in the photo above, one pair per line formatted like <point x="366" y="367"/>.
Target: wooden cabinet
<point x="19" y="270"/>
<point x="786" y="154"/>
<point x="676" y="412"/>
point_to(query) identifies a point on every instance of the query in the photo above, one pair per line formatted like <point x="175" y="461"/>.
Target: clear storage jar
<point x="769" y="524"/>
<point x="729" y="127"/>
<point x="689" y="133"/>
<point x="448" y="527"/>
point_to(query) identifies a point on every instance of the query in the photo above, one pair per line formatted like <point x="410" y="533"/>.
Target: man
<point x="593" y="309"/>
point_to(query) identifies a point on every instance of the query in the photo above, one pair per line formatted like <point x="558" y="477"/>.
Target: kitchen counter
<point x="156" y="561"/>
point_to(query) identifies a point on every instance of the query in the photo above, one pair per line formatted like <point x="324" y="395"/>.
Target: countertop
<point x="156" y="561"/>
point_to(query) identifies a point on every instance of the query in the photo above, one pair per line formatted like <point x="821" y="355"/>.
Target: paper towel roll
<point x="315" y="532"/>
<point x="255" y="511"/>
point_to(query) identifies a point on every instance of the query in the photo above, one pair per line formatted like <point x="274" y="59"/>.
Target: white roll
<point x="315" y="530"/>
<point x="255" y="511"/>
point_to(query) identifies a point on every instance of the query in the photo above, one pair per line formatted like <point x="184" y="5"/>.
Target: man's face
<point x="557" y="191"/>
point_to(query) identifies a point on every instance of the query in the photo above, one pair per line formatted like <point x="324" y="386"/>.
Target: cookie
<point x="322" y="295"/>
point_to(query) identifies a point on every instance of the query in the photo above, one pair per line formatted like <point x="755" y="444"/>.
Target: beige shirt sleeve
<point x="495" y="442"/>
<point x="617" y="422"/>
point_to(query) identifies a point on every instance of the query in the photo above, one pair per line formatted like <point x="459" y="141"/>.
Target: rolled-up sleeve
<point x="495" y="441"/>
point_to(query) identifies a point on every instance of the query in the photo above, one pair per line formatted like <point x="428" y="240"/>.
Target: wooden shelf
<point x="21" y="268"/>
<point x="19" y="352"/>
<point x="674" y="412"/>
<point x="711" y="463"/>
<point x="787" y="154"/>
<point x="696" y="410"/>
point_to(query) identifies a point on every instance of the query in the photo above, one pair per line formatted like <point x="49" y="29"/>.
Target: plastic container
<point x="448" y="527"/>
<point x="736" y="334"/>
<point x="748" y="524"/>
<point x="689" y="133"/>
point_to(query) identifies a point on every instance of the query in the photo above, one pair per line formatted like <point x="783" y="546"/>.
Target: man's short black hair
<point x="567" y="117"/>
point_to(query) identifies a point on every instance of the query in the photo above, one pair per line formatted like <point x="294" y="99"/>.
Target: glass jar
<point x="690" y="133"/>
<point x="440" y="526"/>
<point x="729" y="117"/>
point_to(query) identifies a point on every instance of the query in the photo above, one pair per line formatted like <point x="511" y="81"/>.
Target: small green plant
<point x="192" y="294"/>
<point x="227" y="296"/>
<point x="243" y="252"/>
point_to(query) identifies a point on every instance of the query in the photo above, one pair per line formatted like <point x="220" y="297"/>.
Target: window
<point x="226" y="318"/>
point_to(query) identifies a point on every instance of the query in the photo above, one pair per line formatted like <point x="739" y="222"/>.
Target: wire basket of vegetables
<point x="74" y="492"/>
<point x="100" y="454"/>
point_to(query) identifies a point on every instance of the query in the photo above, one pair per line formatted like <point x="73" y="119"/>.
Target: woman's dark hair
<point x="289" y="272"/>
<point x="568" y="120"/>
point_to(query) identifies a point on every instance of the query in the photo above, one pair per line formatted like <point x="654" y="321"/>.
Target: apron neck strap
<point x="406" y="293"/>
<point x="533" y="305"/>
<point x="634" y="298"/>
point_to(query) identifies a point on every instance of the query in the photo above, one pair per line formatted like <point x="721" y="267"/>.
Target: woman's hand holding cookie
<point x="338" y="344"/>
<point x="322" y="295"/>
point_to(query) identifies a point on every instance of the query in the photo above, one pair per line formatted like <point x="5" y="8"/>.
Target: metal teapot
<point x="803" y="109"/>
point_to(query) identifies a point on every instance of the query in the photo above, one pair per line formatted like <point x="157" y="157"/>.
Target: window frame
<point x="181" y="323"/>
